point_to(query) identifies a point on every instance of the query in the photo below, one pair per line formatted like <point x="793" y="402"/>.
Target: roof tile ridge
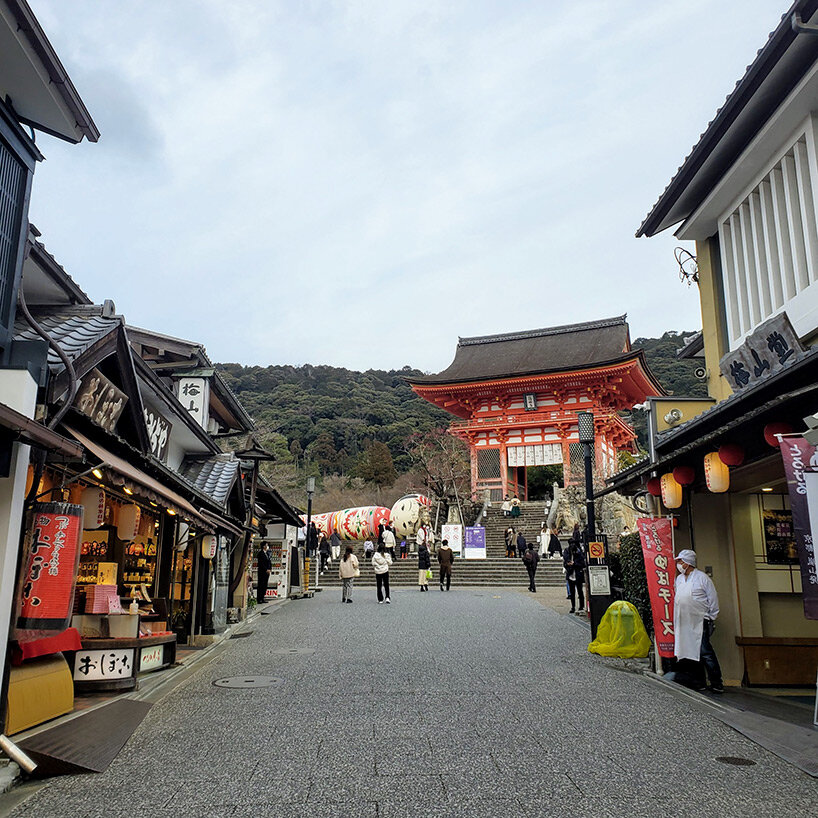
<point x="538" y="333"/>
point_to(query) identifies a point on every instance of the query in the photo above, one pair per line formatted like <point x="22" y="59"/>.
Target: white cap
<point x="687" y="556"/>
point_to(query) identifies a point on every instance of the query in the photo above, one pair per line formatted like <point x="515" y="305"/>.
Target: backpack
<point x="528" y="559"/>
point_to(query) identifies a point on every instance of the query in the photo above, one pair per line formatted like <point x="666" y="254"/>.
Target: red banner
<point x="801" y="459"/>
<point x="657" y="549"/>
<point x="50" y="568"/>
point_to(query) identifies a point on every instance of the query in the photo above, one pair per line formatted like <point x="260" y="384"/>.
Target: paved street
<point x="478" y="702"/>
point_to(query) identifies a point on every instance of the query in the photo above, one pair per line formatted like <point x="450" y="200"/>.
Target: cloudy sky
<point x="360" y="182"/>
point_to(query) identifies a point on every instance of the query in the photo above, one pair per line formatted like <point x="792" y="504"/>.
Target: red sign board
<point x="50" y="569"/>
<point x="657" y="549"/>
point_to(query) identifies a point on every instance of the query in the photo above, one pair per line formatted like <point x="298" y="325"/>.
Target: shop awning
<point x="221" y="522"/>
<point x="35" y="434"/>
<point x="176" y="501"/>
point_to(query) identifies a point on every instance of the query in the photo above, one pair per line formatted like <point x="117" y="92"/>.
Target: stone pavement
<point x="477" y="702"/>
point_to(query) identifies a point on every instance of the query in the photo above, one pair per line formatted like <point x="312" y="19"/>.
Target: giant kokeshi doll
<point x="408" y="514"/>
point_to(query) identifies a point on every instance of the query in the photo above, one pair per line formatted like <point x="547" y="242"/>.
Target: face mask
<point x="680" y="568"/>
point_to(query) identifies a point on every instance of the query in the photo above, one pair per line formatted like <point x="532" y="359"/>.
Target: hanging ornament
<point x="210" y="542"/>
<point x="92" y="501"/>
<point x="773" y="429"/>
<point x="684" y="475"/>
<point x="731" y="454"/>
<point x="127" y="524"/>
<point x="716" y="473"/>
<point x="654" y="486"/>
<point x="671" y="491"/>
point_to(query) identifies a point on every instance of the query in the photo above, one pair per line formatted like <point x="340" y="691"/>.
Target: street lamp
<point x="310" y="492"/>
<point x="585" y="424"/>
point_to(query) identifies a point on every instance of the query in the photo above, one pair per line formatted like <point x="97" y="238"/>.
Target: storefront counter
<point x="779" y="660"/>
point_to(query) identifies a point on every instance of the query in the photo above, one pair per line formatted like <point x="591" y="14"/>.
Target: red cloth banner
<point x="657" y="549"/>
<point x="801" y="458"/>
<point x="53" y="542"/>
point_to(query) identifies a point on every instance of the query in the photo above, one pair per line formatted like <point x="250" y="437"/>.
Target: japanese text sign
<point x="50" y="568"/>
<point x="475" y="544"/>
<point x="194" y="394"/>
<point x="158" y="432"/>
<point x="801" y="469"/>
<point x="771" y="347"/>
<point x="657" y="548"/>
<point x="103" y="665"/>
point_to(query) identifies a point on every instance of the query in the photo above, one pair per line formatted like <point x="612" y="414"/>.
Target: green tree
<point x="375" y="465"/>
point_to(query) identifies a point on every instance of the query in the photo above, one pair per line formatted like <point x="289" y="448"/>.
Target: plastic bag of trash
<point x="621" y="633"/>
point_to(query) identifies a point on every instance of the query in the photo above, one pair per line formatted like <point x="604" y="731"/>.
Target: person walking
<point x="389" y="541"/>
<point x="695" y="608"/>
<point x="530" y="559"/>
<point x="424" y="566"/>
<point x="445" y="559"/>
<point x="511" y="539"/>
<point x="554" y="544"/>
<point x="506" y="507"/>
<point x="521" y="545"/>
<point x="422" y="537"/>
<point x="335" y="545"/>
<point x="265" y="567"/>
<point x="348" y="569"/>
<point x="380" y="563"/>
<point x="324" y="551"/>
<point x="312" y="540"/>
<point x="574" y="560"/>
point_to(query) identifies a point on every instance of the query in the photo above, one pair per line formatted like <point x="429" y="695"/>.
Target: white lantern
<point x="93" y="503"/>
<point x="182" y="536"/>
<point x="716" y="473"/>
<point x="671" y="491"/>
<point x="210" y="542"/>
<point x="127" y="525"/>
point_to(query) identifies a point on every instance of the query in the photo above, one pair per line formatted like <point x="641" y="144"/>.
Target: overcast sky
<point x="359" y="183"/>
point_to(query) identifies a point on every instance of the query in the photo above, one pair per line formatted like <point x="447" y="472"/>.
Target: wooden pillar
<point x="473" y="452"/>
<point x="504" y="466"/>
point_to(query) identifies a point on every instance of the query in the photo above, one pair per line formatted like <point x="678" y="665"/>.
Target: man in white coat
<point x="695" y="608"/>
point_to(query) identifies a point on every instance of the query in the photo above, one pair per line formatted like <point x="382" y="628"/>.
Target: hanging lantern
<point x="773" y="429"/>
<point x="671" y="491"/>
<point x="716" y="473"/>
<point x="127" y="524"/>
<point x="654" y="486"/>
<point x="731" y="454"/>
<point x="210" y="542"/>
<point x="182" y="536"/>
<point x="684" y="475"/>
<point x="93" y="504"/>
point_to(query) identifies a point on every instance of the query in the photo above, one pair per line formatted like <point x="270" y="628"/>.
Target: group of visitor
<point x="511" y="506"/>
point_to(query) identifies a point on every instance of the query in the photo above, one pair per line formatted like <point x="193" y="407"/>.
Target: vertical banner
<point x="52" y="553"/>
<point x="800" y="464"/>
<point x="454" y="534"/>
<point x="657" y="549"/>
<point x="475" y="544"/>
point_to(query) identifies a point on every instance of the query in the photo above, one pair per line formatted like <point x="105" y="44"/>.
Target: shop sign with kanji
<point x="657" y="548"/>
<point x="771" y="347"/>
<point x="103" y="665"/>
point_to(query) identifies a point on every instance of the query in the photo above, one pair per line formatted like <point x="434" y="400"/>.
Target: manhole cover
<point x="241" y="635"/>
<point x="736" y="761"/>
<point x="293" y="651"/>
<point x="247" y="682"/>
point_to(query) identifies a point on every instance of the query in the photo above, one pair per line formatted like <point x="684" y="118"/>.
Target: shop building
<point x="746" y="194"/>
<point x="518" y="395"/>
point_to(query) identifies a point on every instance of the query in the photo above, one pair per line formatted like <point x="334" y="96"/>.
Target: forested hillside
<point x="337" y="421"/>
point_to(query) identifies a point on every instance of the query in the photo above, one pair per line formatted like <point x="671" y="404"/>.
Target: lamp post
<point x="310" y="492"/>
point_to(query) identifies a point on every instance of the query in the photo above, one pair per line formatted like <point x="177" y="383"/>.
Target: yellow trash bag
<point x="621" y="633"/>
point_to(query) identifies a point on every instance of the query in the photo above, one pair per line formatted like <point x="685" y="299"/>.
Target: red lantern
<point x="655" y="486"/>
<point x="684" y="475"/>
<point x="773" y="429"/>
<point x="731" y="454"/>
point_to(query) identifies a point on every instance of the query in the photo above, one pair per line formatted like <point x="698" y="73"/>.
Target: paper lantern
<point x="731" y="454"/>
<point x="93" y="503"/>
<point x="716" y="473"/>
<point x="127" y="524"/>
<point x="773" y="429"/>
<point x="671" y="491"/>
<point x="684" y="475"/>
<point x="182" y="536"/>
<point x="210" y="542"/>
<point x="654" y="486"/>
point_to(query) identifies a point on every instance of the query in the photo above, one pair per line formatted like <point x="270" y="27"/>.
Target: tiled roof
<point x="75" y="329"/>
<point x="214" y="476"/>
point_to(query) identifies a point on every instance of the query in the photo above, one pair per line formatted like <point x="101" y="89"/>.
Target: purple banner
<point x="800" y="459"/>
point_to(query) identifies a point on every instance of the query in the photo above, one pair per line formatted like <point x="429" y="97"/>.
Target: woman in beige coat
<point x="348" y="570"/>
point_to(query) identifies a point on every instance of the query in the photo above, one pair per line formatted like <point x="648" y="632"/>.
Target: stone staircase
<point x="495" y="570"/>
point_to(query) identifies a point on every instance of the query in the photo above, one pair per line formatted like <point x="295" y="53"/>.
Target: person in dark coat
<point x="574" y="560"/>
<point x="424" y="564"/>
<point x="530" y="560"/>
<point x="554" y="544"/>
<point x="312" y="540"/>
<point x="445" y="558"/>
<point x="324" y="551"/>
<point x="265" y="567"/>
<point x="521" y="545"/>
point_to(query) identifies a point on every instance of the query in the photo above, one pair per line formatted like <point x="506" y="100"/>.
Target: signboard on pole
<point x="801" y="468"/>
<point x="657" y="549"/>
<point x="454" y="534"/>
<point x="475" y="543"/>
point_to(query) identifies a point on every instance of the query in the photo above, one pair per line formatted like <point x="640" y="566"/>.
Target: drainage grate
<point x="248" y="682"/>
<point x="736" y="761"/>
<point x="240" y="635"/>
